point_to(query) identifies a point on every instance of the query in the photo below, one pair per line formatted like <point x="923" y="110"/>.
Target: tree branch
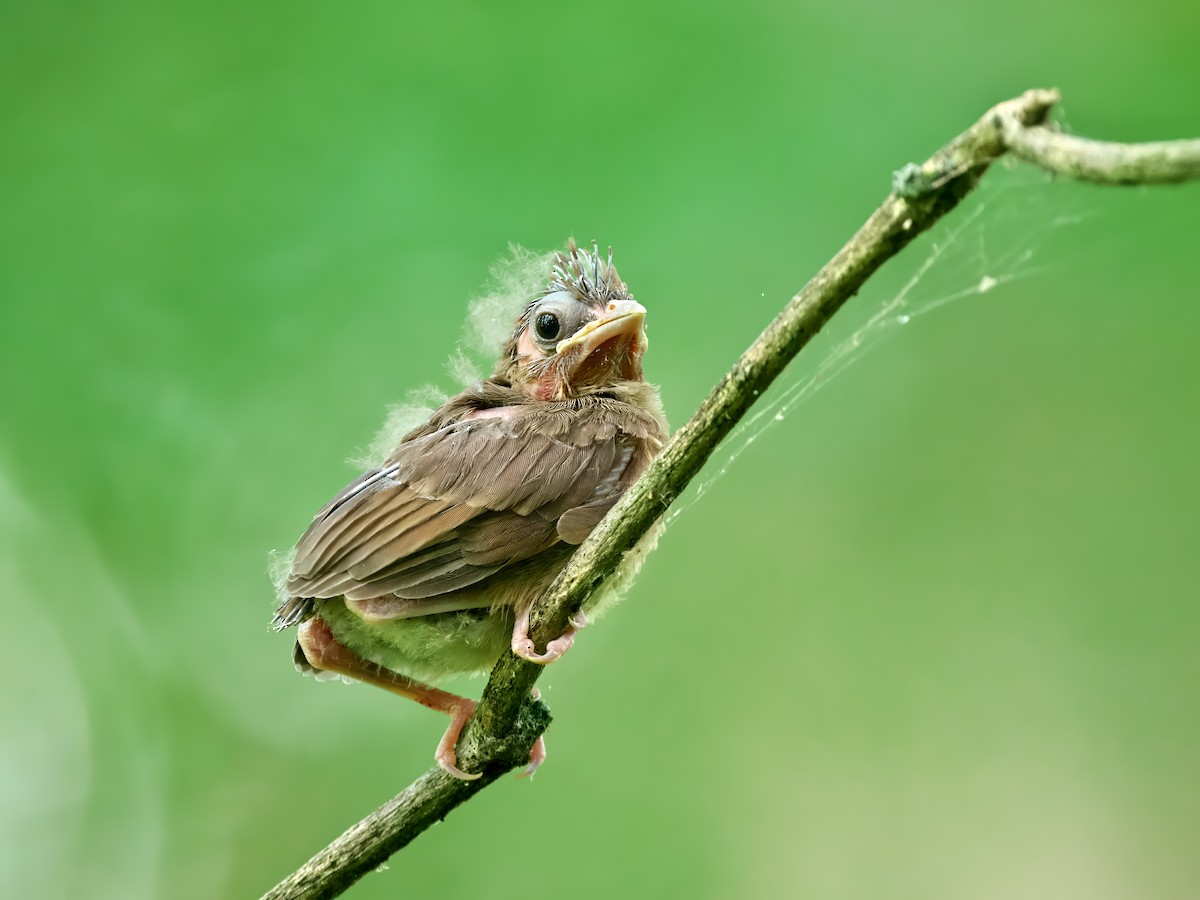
<point x="508" y="721"/>
<point x="1161" y="162"/>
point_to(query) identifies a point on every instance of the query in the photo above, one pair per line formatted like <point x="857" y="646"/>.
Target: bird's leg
<point x="522" y="644"/>
<point x="323" y="651"/>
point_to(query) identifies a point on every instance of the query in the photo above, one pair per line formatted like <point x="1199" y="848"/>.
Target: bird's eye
<point x="547" y="326"/>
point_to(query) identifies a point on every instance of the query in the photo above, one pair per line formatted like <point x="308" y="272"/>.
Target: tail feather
<point x="292" y="611"/>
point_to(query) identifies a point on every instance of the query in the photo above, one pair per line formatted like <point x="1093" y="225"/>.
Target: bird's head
<point x="582" y="335"/>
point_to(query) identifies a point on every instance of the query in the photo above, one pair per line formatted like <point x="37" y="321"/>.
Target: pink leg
<point x="522" y="644"/>
<point x="323" y="651"/>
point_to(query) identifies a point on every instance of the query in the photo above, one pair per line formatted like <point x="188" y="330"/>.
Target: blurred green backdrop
<point x="931" y="635"/>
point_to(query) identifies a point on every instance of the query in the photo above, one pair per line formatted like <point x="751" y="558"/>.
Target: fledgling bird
<point x="427" y="565"/>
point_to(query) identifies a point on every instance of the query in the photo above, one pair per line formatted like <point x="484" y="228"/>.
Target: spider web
<point x="1004" y="234"/>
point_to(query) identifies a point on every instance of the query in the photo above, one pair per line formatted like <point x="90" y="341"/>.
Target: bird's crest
<point x="586" y="275"/>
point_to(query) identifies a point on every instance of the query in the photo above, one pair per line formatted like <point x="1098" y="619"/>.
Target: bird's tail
<point x="292" y="611"/>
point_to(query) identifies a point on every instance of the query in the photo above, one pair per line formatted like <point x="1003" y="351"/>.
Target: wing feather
<point x="454" y="506"/>
<point x="340" y="534"/>
<point x="403" y="538"/>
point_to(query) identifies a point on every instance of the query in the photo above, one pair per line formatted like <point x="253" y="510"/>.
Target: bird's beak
<point x="609" y="348"/>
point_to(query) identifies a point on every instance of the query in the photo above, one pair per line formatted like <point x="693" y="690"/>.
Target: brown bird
<point x="427" y="565"/>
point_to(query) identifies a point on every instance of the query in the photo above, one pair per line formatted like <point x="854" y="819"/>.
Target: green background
<point x="934" y="634"/>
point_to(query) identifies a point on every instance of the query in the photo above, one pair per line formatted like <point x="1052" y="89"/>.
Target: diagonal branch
<point x="507" y="721"/>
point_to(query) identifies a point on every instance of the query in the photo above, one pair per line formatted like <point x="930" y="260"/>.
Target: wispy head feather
<point x="513" y="282"/>
<point x="586" y="275"/>
<point x="489" y="324"/>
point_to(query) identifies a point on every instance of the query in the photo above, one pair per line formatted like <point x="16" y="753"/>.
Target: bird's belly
<point x="437" y="645"/>
<point x="427" y="648"/>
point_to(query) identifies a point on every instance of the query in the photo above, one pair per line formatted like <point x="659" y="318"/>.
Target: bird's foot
<point x="537" y="754"/>
<point x="522" y="644"/>
<point x="446" y="758"/>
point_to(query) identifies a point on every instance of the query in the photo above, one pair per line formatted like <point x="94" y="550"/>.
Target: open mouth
<point x="607" y="349"/>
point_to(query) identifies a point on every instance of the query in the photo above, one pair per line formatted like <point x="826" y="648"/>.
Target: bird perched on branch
<point x="427" y="565"/>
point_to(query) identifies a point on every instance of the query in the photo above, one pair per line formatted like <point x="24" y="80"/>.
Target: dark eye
<point x="546" y="325"/>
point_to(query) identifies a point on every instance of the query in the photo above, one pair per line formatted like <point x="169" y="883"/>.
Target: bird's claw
<point x="537" y="756"/>
<point x="523" y="646"/>
<point x="448" y="766"/>
<point x="447" y="759"/>
<point x="445" y="756"/>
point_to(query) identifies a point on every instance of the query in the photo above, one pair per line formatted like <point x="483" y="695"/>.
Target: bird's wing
<point x="452" y="507"/>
